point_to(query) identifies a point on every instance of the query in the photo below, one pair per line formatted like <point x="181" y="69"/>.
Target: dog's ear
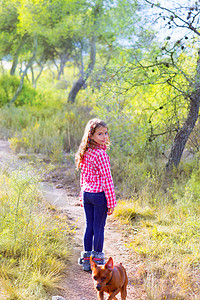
<point x="92" y="263"/>
<point x="109" y="264"/>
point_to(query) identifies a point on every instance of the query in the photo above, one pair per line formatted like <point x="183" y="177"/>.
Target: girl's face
<point x="100" y="135"/>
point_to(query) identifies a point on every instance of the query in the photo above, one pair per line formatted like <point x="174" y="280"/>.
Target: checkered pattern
<point x="96" y="175"/>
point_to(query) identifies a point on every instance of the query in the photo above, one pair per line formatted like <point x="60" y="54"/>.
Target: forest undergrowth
<point x="35" y="240"/>
<point x="160" y="217"/>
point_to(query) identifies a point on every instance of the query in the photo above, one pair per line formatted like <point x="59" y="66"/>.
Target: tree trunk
<point x="83" y="78"/>
<point x="24" y="73"/>
<point x="33" y="75"/>
<point x="39" y="74"/>
<point x="63" y="60"/>
<point x="16" y="55"/>
<point x="34" y="80"/>
<point x="81" y="67"/>
<point x="182" y="136"/>
<point x="15" y="62"/>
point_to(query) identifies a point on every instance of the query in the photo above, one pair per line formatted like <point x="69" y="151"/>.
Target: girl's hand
<point x="110" y="211"/>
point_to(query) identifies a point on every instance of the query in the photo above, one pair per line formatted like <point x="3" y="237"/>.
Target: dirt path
<point x="78" y="284"/>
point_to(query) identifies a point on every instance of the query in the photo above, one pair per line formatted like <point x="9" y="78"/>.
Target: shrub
<point x="192" y="188"/>
<point x="45" y="130"/>
<point x="34" y="241"/>
<point x="8" y="87"/>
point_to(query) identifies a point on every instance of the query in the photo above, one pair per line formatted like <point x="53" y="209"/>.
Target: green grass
<point x="35" y="241"/>
<point x="165" y="235"/>
<point x="49" y="131"/>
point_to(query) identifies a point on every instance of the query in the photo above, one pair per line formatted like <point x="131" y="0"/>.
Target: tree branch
<point x="175" y="16"/>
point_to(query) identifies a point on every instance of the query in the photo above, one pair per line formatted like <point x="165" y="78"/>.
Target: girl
<point x="97" y="189"/>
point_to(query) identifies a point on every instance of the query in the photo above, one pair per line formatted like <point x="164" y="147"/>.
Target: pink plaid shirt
<point x="96" y="175"/>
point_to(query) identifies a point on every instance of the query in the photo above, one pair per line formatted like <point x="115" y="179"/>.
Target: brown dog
<point x="110" y="278"/>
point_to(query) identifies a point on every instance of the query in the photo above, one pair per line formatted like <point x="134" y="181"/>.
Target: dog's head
<point x="101" y="274"/>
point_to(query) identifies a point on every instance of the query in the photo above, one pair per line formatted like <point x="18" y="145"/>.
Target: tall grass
<point x="164" y="230"/>
<point x="34" y="242"/>
<point x="49" y="131"/>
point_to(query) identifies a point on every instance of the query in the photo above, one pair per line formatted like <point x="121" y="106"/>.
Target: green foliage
<point x="8" y="87"/>
<point x="44" y="130"/>
<point x="192" y="188"/>
<point x="34" y="242"/>
<point x="8" y="27"/>
<point x="163" y="227"/>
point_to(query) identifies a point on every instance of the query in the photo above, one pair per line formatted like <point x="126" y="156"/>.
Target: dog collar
<point x="110" y="279"/>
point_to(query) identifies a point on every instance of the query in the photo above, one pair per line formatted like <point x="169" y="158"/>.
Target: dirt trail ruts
<point x="78" y="285"/>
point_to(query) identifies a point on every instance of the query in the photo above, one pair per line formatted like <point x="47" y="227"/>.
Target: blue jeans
<point x="95" y="206"/>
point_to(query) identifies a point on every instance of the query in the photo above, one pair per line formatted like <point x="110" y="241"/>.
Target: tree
<point x="28" y="65"/>
<point x="58" y="25"/>
<point x="165" y="66"/>
<point x="94" y="16"/>
<point x="102" y="33"/>
<point x="185" y="19"/>
<point x="84" y="76"/>
<point x="11" y="41"/>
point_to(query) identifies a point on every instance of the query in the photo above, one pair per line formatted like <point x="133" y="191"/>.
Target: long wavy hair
<point x="87" y="139"/>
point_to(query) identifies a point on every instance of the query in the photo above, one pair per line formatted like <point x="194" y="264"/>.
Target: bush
<point x="34" y="240"/>
<point x="46" y="130"/>
<point x="8" y="87"/>
<point x="192" y="188"/>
